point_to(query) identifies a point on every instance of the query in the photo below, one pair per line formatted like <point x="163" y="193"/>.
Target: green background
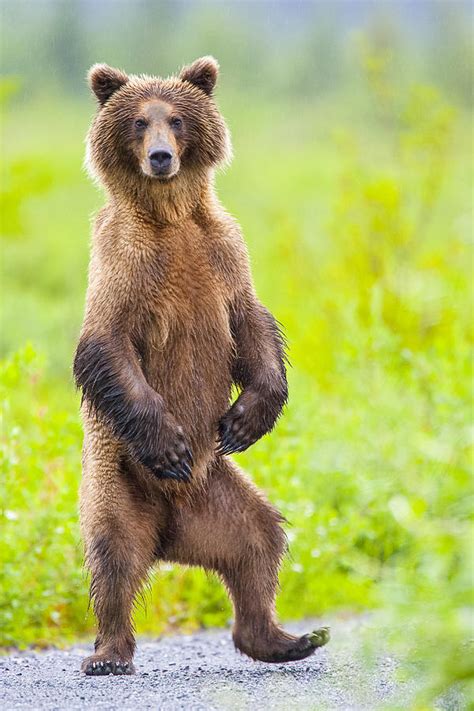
<point x="352" y="180"/>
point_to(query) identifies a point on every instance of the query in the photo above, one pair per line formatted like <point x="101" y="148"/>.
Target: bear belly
<point x="188" y="360"/>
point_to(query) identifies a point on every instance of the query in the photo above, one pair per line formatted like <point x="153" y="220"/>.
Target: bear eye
<point x="176" y="122"/>
<point x="140" y="123"/>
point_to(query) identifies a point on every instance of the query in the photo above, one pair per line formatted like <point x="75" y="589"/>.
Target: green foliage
<point x="359" y="241"/>
<point x="40" y="557"/>
<point x="26" y="178"/>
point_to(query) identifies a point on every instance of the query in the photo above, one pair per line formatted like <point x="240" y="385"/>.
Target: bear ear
<point x="202" y="73"/>
<point x="105" y="80"/>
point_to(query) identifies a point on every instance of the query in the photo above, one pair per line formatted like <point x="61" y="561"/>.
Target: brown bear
<point x="172" y="322"/>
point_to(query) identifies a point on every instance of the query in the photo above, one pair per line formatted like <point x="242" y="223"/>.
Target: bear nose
<point x="160" y="159"/>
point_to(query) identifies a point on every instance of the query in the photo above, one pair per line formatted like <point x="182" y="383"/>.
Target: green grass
<point x="359" y="238"/>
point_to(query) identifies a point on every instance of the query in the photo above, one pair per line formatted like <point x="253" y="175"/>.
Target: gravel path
<point x="203" y="671"/>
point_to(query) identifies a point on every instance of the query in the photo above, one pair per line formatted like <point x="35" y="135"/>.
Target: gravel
<point x="203" y="671"/>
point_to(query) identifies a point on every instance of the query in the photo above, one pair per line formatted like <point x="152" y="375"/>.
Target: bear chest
<point x="186" y="298"/>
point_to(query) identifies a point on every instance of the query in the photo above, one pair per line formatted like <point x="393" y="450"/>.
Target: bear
<point x="172" y="322"/>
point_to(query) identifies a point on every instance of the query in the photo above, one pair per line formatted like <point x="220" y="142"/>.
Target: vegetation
<point x="358" y="226"/>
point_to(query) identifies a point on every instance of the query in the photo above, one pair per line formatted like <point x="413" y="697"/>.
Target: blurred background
<point x="352" y="180"/>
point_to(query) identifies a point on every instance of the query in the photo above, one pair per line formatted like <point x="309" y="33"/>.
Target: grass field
<point x="359" y="241"/>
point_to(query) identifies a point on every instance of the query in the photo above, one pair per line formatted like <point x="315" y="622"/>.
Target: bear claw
<point x="104" y="667"/>
<point x="233" y="440"/>
<point x="320" y="637"/>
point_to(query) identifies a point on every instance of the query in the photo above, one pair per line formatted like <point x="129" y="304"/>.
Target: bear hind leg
<point x="231" y="529"/>
<point x="120" y="533"/>
<point x="114" y="584"/>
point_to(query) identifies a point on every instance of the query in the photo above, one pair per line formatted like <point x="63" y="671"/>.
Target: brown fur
<point x="172" y="320"/>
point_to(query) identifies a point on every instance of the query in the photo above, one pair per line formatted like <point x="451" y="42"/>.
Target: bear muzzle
<point x="162" y="162"/>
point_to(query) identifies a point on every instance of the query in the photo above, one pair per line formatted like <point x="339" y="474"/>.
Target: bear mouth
<point x="163" y="177"/>
<point x="163" y="174"/>
<point x="160" y="171"/>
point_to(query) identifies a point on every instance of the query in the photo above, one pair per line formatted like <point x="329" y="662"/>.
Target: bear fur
<point x="171" y="323"/>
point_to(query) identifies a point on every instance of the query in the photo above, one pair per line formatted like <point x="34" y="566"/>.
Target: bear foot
<point x="105" y="664"/>
<point x="283" y="647"/>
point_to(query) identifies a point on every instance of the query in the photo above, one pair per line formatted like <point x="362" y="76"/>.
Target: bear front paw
<point x="175" y="459"/>
<point x="245" y="422"/>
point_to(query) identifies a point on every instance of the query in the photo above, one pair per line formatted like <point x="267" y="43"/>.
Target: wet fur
<point x="171" y="322"/>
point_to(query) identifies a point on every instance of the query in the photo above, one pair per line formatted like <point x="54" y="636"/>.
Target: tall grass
<point x="358" y="227"/>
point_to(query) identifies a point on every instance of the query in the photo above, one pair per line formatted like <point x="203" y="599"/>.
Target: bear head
<point x="149" y="129"/>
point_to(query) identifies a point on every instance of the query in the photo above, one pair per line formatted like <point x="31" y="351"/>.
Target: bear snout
<point x="161" y="160"/>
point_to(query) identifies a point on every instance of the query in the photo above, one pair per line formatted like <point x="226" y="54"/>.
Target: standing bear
<point x="171" y="323"/>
